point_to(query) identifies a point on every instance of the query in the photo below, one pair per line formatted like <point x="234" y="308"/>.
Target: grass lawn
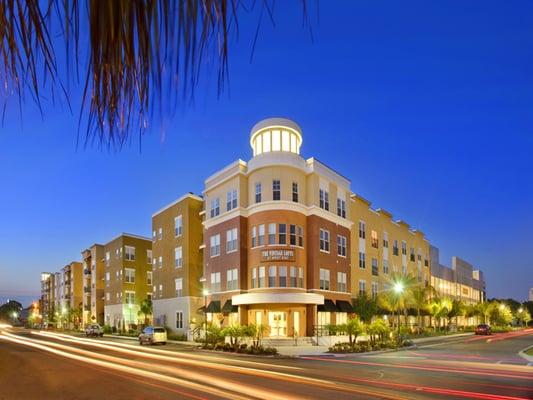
<point x="530" y="352"/>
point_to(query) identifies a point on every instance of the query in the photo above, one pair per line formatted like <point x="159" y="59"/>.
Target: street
<point x="41" y="365"/>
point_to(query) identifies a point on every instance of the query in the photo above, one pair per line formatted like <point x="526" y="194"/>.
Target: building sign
<point x="277" y="255"/>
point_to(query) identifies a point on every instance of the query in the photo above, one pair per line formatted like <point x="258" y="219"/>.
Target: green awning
<point x="213" y="307"/>
<point x="328" y="306"/>
<point x="229" y="307"/>
<point x="344" y="306"/>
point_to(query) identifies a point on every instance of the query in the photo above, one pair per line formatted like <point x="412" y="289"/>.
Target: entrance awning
<point x="213" y="307"/>
<point x="328" y="306"/>
<point x="229" y="308"/>
<point x="344" y="306"/>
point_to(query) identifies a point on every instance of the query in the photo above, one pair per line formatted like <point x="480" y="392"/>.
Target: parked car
<point x="153" y="335"/>
<point x="94" y="330"/>
<point x="482" y="329"/>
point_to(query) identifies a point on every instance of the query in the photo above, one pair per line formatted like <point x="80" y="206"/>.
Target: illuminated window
<point x="276" y="140"/>
<point x="374" y="239"/>
<point x="179" y="287"/>
<point x="285" y="141"/>
<point x="266" y="142"/>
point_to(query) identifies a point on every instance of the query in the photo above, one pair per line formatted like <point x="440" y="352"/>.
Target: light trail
<point x="165" y="352"/>
<point x="510" y="335"/>
<point x="329" y="385"/>
<point x="437" y="390"/>
<point x="123" y="368"/>
<point x="199" y="377"/>
<point x="472" y="371"/>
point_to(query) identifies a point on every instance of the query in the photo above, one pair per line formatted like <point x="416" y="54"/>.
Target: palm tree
<point x="353" y="328"/>
<point x="419" y="299"/>
<point x="483" y="310"/>
<point x="141" y="55"/>
<point x="146" y="309"/>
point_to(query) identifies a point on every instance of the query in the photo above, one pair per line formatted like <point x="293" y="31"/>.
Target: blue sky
<point x="426" y="107"/>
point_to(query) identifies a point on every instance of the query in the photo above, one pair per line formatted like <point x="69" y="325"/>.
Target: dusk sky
<point x="425" y="107"/>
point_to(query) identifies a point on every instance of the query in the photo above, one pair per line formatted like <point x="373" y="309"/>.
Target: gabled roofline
<point x="186" y="195"/>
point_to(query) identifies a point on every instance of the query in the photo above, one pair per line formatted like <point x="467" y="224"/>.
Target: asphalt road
<point x="36" y="365"/>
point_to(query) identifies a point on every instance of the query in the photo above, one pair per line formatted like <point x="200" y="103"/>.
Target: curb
<point x="527" y="357"/>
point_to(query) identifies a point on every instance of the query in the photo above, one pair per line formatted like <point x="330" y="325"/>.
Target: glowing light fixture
<point x="398" y="287"/>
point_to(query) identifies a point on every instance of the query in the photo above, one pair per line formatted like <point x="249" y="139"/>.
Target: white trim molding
<point x="277" y="298"/>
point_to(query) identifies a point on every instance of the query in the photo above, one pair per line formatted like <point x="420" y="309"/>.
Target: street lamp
<point x="205" y="292"/>
<point x="15" y="315"/>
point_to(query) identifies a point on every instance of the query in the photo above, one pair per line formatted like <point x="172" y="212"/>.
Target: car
<point x="482" y="329"/>
<point x="94" y="330"/>
<point x="153" y="335"/>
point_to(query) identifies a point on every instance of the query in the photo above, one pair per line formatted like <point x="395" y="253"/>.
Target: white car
<point x="153" y="335"/>
<point x="94" y="330"/>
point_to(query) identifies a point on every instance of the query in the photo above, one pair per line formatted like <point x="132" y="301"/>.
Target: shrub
<point x="177" y="336"/>
<point x="107" y="329"/>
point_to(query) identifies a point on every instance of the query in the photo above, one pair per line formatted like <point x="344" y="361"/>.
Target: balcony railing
<point x="87" y="271"/>
<point x="87" y="289"/>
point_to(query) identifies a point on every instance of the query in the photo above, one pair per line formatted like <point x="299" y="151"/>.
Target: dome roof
<point x="276" y="134"/>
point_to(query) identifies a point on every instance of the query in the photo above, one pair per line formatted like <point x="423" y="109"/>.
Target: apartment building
<point x="178" y="264"/>
<point x="288" y="244"/>
<point x="460" y="282"/>
<point x="93" y="284"/>
<point x="127" y="278"/>
<point x="47" y="295"/>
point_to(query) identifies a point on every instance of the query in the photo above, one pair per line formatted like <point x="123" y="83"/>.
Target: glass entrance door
<point x="277" y="320"/>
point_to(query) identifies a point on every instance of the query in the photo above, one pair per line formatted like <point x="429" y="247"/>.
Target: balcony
<point x="86" y="271"/>
<point x="87" y="289"/>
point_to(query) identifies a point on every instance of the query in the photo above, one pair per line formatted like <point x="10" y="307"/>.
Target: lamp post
<point x="398" y="289"/>
<point x="205" y="292"/>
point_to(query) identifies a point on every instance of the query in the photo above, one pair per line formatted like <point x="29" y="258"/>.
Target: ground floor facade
<point x="180" y="315"/>
<point x="122" y="316"/>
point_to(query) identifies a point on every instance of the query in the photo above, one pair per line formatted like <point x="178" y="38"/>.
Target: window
<point x="276" y="190"/>
<point x="232" y="282"/>
<point x="374" y="239"/>
<point x="362" y="230"/>
<point x="215" y="245"/>
<point x="362" y="288"/>
<point x="154" y="235"/>
<point x="341" y="208"/>
<point x="386" y="240"/>
<point x="231" y="200"/>
<point x="294" y="277"/>
<point x="300" y="277"/>
<point x="324" y="240"/>
<point x="395" y="248"/>
<point x="179" y="319"/>
<point x="374" y="290"/>
<point x="129" y="275"/>
<point x="261" y="240"/>
<point x="375" y="267"/>
<point x="149" y="259"/>
<point x="160" y="236"/>
<point x="107" y="276"/>
<point x="282" y="271"/>
<point x="404" y="248"/>
<point x="107" y="258"/>
<point x="295" y="192"/>
<point x="178" y="257"/>
<point x="292" y="235"/>
<point x="404" y="269"/>
<point x="179" y="287"/>
<point x="282" y="231"/>
<point x="362" y="260"/>
<point x="149" y="296"/>
<point x="272" y="276"/>
<point x="149" y="278"/>
<point x="160" y="262"/>
<point x="254" y="236"/>
<point x="426" y="262"/>
<point x="215" y="207"/>
<point x="412" y="254"/>
<point x="258" y="193"/>
<point x="300" y="236"/>
<point x="215" y="281"/>
<point x="178" y="225"/>
<point x="262" y="274"/>
<point x="324" y="279"/>
<point x="130" y="253"/>
<point x="271" y="233"/>
<point x="254" y="278"/>
<point x="341" y="245"/>
<point x="385" y="266"/>
<point x="231" y="240"/>
<point x="341" y="281"/>
<point x="323" y="199"/>
<point x="130" y="297"/>
<point x="107" y="296"/>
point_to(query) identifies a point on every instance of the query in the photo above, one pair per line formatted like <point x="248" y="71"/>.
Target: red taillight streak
<point x="438" y="390"/>
<point x="427" y="368"/>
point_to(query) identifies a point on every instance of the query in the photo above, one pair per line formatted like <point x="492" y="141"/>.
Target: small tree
<point x="523" y="316"/>
<point x="457" y="309"/>
<point x="365" y="307"/>
<point x="353" y="328"/>
<point x="235" y="332"/>
<point x="378" y="329"/>
<point x="256" y="332"/>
